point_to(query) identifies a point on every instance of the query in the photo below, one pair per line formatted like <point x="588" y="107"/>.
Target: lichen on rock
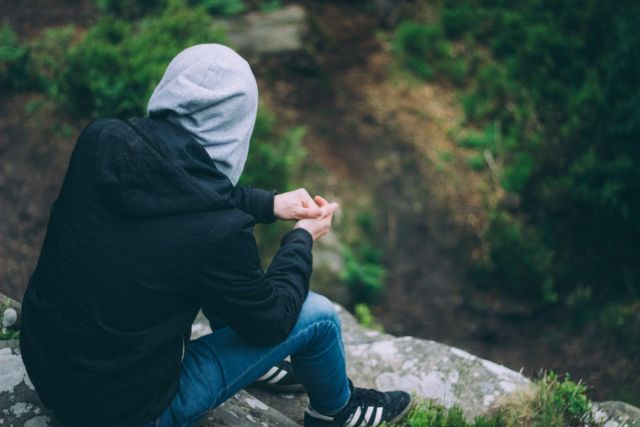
<point x="447" y="375"/>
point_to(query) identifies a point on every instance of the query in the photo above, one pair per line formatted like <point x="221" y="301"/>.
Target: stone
<point x="10" y="312"/>
<point x="266" y="33"/>
<point x="616" y="414"/>
<point x="244" y="409"/>
<point x="9" y="318"/>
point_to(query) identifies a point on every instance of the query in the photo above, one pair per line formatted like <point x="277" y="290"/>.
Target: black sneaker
<point x="279" y="379"/>
<point x="366" y="407"/>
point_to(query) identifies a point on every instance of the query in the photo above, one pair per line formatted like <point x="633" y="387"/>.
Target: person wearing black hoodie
<point x="148" y="229"/>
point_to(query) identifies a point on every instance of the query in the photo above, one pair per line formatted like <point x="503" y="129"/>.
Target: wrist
<point x="303" y="231"/>
<point x="276" y="206"/>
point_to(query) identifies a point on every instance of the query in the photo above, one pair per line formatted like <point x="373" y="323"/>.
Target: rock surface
<point x="445" y="374"/>
<point x="265" y="33"/>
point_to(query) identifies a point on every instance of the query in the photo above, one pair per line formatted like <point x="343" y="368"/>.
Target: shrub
<point x="48" y="58"/>
<point x="480" y="140"/>
<point x="552" y="402"/>
<point x="13" y="60"/>
<point x="222" y="7"/>
<point x="270" y="5"/>
<point x="114" y="69"/>
<point x="130" y="9"/>
<point x="275" y="156"/>
<point x="563" y="84"/>
<point x="518" y="261"/>
<point x="363" y="272"/>
<point x="365" y="317"/>
<point x="422" y="49"/>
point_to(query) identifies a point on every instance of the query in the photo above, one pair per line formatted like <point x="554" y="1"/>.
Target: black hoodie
<point x="146" y="231"/>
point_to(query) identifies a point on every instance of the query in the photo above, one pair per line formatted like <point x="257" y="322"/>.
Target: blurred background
<point x="486" y="154"/>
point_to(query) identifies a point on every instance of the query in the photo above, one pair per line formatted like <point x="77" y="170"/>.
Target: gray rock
<point x="244" y="409"/>
<point x="616" y="414"/>
<point x="266" y="33"/>
<point x="445" y="374"/>
<point x="19" y="403"/>
<point x="10" y="312"/>
<point x="9" y="318"/>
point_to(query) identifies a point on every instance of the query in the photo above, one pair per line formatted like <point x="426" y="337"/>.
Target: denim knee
<point x="318" y="308"/>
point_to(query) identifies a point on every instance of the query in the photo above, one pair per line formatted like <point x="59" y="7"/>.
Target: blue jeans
<point x="218" y="365"/>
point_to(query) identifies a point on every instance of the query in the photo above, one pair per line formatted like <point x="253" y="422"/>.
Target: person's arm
<point x="256" y="202"/>
<point x="267" y="206"/>
<point x="262" y="307"/>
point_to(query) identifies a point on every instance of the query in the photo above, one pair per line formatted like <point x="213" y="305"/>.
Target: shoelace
<point x="367" y="397"/>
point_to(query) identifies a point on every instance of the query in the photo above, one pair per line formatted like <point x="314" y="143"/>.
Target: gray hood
<point x="210" y="91"/>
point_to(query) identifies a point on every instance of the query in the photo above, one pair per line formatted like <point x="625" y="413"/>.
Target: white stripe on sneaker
<point x="378" y="417"/>
<point x="367" y="415"/>
<point x="270" y="372"/>
<point x="278" y="377"/>
<point x="355" y="417"/>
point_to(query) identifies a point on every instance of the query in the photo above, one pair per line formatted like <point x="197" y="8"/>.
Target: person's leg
<point x="218" y="365"/>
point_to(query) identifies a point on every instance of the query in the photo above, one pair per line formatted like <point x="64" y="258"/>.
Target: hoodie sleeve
<point x="256" y="202"/>
<point x="262" y="307"/>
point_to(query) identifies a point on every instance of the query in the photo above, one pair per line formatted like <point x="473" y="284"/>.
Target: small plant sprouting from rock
<point x="365" y="317"/>
<point x="9" y="335"/>
<point x="551" y="402"/>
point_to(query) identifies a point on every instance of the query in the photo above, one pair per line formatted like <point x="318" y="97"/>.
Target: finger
<point x="306" y="198"/>
<point x="321" y="201"/>
<point x="325" y="205"/>
<point x="311" y="212"/>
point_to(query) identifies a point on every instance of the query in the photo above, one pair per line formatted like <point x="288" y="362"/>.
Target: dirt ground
<point x="366" y="128"/>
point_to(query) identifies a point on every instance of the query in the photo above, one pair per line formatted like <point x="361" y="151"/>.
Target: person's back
<point x="149" y="227"/>
<point x="115" y="278"/>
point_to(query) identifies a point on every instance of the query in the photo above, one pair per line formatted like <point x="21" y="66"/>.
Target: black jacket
<point x="146" y="231"/>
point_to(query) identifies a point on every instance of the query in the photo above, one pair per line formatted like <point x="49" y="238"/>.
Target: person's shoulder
<point x="109" y="126"/>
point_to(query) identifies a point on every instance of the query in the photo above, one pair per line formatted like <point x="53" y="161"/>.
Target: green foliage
<point x="424" y="51"/>
<point x="13" y="60"/>
<point x="363" y="272"/>
<point x="365" y="317"/>
<point x="222" y="7"/>
<point x="480" y="140"/>
<point x="270" y="5"/>
<point x="559" y="88"/>
<point x="48" y="58"/>
<point x="9" y="335"/>
<point x="430" y="414"/>
<point x="130" y="9"/>
<point x="476" y="161"/>
<point x="275" y="156"/>
<point x="114" y="68"/>
<point x="622" y="322"/>
<point x="554" y="402"/>
<point x="517" y="260"/>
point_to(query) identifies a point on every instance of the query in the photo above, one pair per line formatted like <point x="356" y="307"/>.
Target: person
<point x="149" y="227"/>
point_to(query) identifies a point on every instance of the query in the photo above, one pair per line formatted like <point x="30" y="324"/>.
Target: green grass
<point x="9" y="335"/>
<point x="365" y="317"/>
<point x="551" y="402"/>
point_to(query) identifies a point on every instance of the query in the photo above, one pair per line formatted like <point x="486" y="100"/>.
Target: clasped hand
<point x="313" y="214"/>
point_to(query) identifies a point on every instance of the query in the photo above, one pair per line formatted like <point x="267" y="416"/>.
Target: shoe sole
<point x="404" y="412"/>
